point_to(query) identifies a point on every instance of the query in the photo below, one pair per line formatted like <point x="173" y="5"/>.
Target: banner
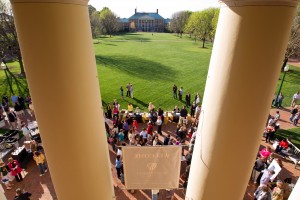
<point x="151" y="167"/>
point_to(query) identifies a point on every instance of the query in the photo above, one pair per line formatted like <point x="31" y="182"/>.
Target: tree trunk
<point x="203" y="43"/>
<point x="180" y="34"/>
<point x="21" y="65"/>
<point x="284" y="63"/>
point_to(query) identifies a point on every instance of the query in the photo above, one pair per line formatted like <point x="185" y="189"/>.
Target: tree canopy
<point x="178" y="21"/>
<point x="203" y="24"/>
<point x="108" y="21"/>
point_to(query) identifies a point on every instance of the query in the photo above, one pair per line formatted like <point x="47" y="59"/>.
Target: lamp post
<point x="5" y="68"/>
<point x="286" y="68"/>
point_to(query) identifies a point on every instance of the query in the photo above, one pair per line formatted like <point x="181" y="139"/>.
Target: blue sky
<point x="125" y="8"/>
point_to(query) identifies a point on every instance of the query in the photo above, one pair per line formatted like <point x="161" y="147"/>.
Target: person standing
<point x="130" y="108"/>
<point x="159" y="123"/>
<point x="109" y="111"/>
<point x="183" y="115"/>
<point x="180" y="93"/>
<point x="126" y="129"/>
<point x="198" y="111"/>
<point x="296" y="118"/>
<point x="174" y="91"/>
<point x="188" y="99"/>
<point x="15" y="169"/>
<point x="128" y="90"/>
<point x="14" y="99"/>
<point x="41" y="162"/>
<point x="266" y="177"/>
<point x="160" y="113"/>
<point x="197" y="99"/>
<point x="296" y="96"/>
<point x="25" y="131"/>
<point x="262" y="193"/>
<point x="193" y="109"/>
<point x="279" y="100"/>
<point x="119" y="166"/>
<point x="294" y="111"/>
<point x="131" y="91"/>
<point x="12" y="118"/>
<point x="277" y="193"/>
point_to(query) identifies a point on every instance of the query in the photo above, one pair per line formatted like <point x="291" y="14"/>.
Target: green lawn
<point x="294" y="133"/>
<point x="153" y="63"/>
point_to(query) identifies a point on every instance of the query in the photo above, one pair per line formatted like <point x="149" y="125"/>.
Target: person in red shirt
<point x="150" y="128"/>
<point x="282" y="147"/>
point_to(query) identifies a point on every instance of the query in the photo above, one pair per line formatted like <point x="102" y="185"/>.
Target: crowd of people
<point x="123" y="130"/>
<point x="270" y="186"/>
<point x="14" y="115"/>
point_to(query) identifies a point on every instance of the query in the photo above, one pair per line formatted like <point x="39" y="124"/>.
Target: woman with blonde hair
<point x="41" y="162"/>
<point x="277" y="193"/>
<point x="151" y="107"/>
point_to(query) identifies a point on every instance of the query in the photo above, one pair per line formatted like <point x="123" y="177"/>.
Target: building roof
<point x="124" y="20"/>
<point x="166" y="21"/>
<point x="145" y="15"/>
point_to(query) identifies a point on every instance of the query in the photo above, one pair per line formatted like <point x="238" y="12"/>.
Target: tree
<point x="202" y="24"/>
<point x="108" y="21"/>
<point x="92" y="9"/>
<point x="95" y="23"/>
<point x="178" y="21"/>
<point x="214" y="23"/>
<point x="293" y="47"/>
<point x="9" y="45"/>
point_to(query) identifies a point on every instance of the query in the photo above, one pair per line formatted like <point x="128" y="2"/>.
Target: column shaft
<point x="295" y="195"/>
<point x="244" y="69"/>
<point x="57" y="48"/>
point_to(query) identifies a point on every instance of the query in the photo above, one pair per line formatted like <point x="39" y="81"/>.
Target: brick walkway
<point x="42" y="187"/>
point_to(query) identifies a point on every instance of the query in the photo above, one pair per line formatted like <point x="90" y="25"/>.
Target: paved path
<point x="42" y="187"/>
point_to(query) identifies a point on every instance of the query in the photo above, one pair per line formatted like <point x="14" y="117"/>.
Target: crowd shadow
<point x="137" y="67"/>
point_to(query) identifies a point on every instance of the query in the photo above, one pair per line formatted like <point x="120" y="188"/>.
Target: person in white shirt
<point x="144" y="133"/>
<point x="296" y="96"/>
<point x="26" y="132"/>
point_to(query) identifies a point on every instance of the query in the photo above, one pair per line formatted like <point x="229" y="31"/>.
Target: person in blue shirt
<point x="121" y="136"/>
<point x="119" y="166"/>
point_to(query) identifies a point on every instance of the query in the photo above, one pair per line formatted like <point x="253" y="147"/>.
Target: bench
<point x="294" y="153"/>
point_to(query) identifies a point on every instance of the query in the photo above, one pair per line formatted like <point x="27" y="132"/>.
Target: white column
<point x="245" y="64"/>
<point x="57" y="48"/>
<point x="2" y="193"/>
<point x="295" y="195"/>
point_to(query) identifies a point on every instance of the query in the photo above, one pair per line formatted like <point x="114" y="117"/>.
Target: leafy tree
<point x="202" y="24"/>
<point x="9" y="45"/>
<point x="293" y="47"/>
<point x="95" y="23"/>
<point x="214" y="22"/>
<point x="92" y="9"/>
<point x="108" y="21"/>
<point x="178" y="21"/>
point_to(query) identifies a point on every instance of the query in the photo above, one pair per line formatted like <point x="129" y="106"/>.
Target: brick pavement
<point x="42" y="187"/>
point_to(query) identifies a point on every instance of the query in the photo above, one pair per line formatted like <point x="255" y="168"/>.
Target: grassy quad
<point x="153" y="63"/>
